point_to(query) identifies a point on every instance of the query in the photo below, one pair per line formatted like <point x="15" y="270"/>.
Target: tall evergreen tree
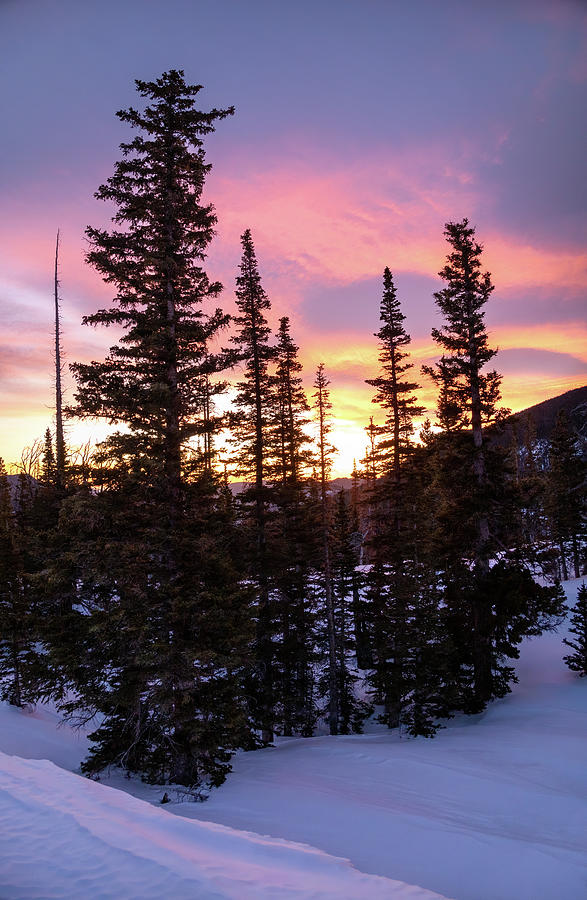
<point x="463" y="338"/>
<point x="392" y="583"/>
<point x="395" y="392"/>
<point x="161" y="593"/>
<point x="487" y="609"/>
<point x="471" y="394"/>
<point x="348" y="615"/>
<point x="154" y="260"/>
<point x="323" y="406"/>
<point x="293" y="540"/>
<point x="291" y="452"/>
<point x="251" y="424"/>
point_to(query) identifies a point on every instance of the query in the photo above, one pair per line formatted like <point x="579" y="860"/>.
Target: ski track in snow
<point x="494" y="808"/>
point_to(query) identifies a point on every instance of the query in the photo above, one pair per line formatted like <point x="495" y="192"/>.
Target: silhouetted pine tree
<point x="18" y="657"/>
<point x="577" y="660"/>
<point x="48" y="467"/>
<point x="470" y="489"/>
<point x="326" y="450"/>
<point x="360" y="617"/>
<point x="468" y="399"/>
<point x="293" y="541"/>
<point x="465" y="387"/>
<point x="292" y="455"/>
<point x="565" y="495"/>
<point x="394" y="583"/>
<point x="346" y="584"/>
<point x="254" y="402"/>
<point x="373" y="461"/>
<point x="168" y="618"/>
<point x="395" y="392"/>
<point x="530" y="481"/>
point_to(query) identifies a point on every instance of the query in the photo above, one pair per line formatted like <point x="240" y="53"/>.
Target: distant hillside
<point x="544" y="414"/>
<point x="14" y="484"/>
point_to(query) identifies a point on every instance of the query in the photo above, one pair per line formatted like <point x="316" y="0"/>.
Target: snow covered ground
<point x="67" y="837"/>
<point x="494" y="808"/>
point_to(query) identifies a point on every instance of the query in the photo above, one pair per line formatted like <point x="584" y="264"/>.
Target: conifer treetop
<point x="154" y="379"/>
<point x="394" y="390"/>
<point x="251" y="298"/>
<point x="465" y="295"/>
<point x="468" y="395"/>
<point x="323" y="407"/>
<point x="173" y="104"/>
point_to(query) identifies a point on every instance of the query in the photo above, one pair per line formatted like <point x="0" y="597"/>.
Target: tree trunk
<point x="16" y="685"/>
<point x="565" y="571"/>
<point x="576" y="556"/>
<point x="362" y="643"/>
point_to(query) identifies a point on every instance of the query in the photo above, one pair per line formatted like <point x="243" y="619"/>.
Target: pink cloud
<point x="314" y="221"/>
<point x="342" y="225"/>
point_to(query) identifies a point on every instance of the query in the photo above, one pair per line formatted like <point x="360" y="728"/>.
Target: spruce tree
<point x="394" y="389"/>
<point x="151" y="377"/>
<point x="465" y="386"/>
<point x="392" y="583"/>
<point x="373" y="460"/>
<point x="565" y="494"/>
<point x="326" y="450"/>
<point x="291" y="445"/>
<point x="17" y="621"/>
<point x="487" y="608"/>
<point x="251" y="425"/>
<point x="577" y="660"/>
<point x="48" y="466"/>
<point x="292" y="539"/>
<point x="168" y="615"/>
<point x="359" y="534"/>
<point x="471" y="394"/>
<point x="346" y="615"/>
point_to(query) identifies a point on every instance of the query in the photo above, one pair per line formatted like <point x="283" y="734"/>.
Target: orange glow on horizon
<point x="352" y="408"/>
<point x="349" y="361"/>
<point x="325" y="226"/>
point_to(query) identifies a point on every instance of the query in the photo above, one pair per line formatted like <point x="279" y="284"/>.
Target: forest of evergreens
<point x="190" y="620"/>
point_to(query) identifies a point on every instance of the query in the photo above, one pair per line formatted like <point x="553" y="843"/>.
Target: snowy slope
<point x="494" y="808"/>
<point x="66" y="837"/>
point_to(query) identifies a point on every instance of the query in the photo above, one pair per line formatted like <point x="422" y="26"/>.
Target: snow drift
<point x="65" y="836"/>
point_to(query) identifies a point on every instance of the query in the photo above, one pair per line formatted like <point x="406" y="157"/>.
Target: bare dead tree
<point x="30" y="460"/>
<point x="82" y="462"/>
<point x="60" y="451"/>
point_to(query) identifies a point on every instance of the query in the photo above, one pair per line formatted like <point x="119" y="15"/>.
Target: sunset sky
<point x="360" y="129"/>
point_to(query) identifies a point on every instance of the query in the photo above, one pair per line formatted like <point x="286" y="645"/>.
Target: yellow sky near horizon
<point x="352" y="408"/>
